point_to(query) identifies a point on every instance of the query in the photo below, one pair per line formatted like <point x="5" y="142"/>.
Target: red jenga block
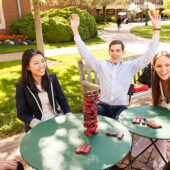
<point x="137" y="120"/>
<point x="90" y="126"/>
<point x="90" y="122"/>
<point x="134" y="120"/>
<point x="88" y="133"/>
<point x="78" y="150"/>
<point x="154" y="125"/>
<point x="120" y="135"/>
<point x="95" y="132"/>
<point x="90" y="95"/>
<point x="90" y="116"/>
<point x="142" y="121"/>
<point x="111" y="134"/>
<point x="83" y="149"/>
<point x="87" y="149"/>
<point x="88" y="103"/>
<point x="87" y="110"/>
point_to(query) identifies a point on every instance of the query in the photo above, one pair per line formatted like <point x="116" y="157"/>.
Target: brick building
<point x="11" y="10"/>
<point x="115" y="9"/>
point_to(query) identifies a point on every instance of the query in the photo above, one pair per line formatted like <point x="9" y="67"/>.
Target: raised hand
<point x="75" y="21"/>
<point x="156" y="20"/>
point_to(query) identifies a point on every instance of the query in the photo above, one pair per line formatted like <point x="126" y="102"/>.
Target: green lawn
<point x="68" y="76"/>
<point x="147" y="31"/>
<point x="102" y="26"/>
<point x="19" y="48"/>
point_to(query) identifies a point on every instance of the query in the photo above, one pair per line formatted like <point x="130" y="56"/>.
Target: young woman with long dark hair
<point x="39" y="95"/>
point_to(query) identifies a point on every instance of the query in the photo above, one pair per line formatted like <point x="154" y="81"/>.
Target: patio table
<point x="51" y="145"/>
<point x="152" y="114"/>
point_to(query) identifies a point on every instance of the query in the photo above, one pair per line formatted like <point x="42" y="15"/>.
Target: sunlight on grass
<point x="147" y="31"/>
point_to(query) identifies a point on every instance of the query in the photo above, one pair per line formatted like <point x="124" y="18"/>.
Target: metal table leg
<point x="153" y="142"/>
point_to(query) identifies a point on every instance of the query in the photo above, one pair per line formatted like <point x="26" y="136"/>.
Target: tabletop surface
<point x="152" y="114"/>
<point x="51" y="145"/>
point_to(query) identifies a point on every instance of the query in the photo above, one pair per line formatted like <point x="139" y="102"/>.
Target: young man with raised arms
<point x="114" y="75"/>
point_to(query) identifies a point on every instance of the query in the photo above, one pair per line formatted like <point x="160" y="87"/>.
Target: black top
<point x="27" y="107"/>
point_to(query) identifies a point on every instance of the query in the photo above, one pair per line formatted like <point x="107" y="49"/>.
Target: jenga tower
<point x="90" y="112"/>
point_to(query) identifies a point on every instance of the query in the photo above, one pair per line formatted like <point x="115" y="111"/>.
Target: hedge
<point x="56" y="25"/>
<point x="99" y="19"/>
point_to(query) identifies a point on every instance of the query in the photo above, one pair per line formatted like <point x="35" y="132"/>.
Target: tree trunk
<point x="38" y="28"/>
<point x="104" y="13"/>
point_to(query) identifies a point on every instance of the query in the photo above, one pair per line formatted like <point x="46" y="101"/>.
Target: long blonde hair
<point x="156" y="93"/>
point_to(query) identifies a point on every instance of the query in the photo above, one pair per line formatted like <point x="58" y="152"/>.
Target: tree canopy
<point x="166" y="4"/>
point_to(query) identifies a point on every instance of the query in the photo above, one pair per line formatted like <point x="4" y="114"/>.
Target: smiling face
<point x="162" y="67"/>
<point x="37" y="66"/>
<point x="116" y="53"/>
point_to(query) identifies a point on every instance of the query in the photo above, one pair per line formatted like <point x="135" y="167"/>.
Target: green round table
<point x="152" y="114"/>
<point x="51" y="145"/>
<point x="157" y="114"/>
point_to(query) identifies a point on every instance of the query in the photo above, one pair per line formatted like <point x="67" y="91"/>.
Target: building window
<point x="2" y="21"/>
<point x="136" y="2"/>
<point x="158" y="2"/>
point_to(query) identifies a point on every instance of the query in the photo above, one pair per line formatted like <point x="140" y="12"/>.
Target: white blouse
<point x="47" y="110"/>
<point x="163" y="99"/>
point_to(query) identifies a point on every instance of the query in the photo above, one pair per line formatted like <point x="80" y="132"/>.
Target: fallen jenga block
<point x="84" y="149"/>
<point x="111" y="133"/>
<point x="154" y="125"/>
<point x="120" y="135"/>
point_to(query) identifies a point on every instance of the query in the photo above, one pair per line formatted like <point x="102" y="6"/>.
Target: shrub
<point x="56" y="25"/>
<point x="108" y="19"/>
<point x="99" y="19"/>
<point x="24" y="26"/>
<point x="113" y="18"/>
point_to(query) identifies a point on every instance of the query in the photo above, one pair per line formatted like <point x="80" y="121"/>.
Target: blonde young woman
<point x="160" y="97"/>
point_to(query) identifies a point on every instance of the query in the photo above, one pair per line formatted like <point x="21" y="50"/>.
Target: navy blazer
<point x="26" y="105"/>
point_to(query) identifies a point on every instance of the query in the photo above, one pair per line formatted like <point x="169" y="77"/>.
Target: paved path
<point x="133" y="43"/>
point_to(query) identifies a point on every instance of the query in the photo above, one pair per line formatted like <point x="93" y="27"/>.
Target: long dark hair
<point x="156" y="93"/>
<point x="26" y="75"/>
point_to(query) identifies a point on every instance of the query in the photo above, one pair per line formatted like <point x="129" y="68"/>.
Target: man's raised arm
<point x="85" y="54"/>
<point x="148" y="55"/>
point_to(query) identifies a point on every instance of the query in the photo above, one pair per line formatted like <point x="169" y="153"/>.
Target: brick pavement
<point x="9" y="146"/>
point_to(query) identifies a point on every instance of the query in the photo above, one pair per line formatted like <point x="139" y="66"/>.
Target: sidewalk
<point x="132" y="43"/>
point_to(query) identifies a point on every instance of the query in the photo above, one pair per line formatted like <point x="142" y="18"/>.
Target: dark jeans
<point x="20" y="166"/>
<point x="110" y="111"/>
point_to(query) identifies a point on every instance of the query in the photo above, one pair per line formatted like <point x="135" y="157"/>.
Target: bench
<point x="89" y="79"/>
